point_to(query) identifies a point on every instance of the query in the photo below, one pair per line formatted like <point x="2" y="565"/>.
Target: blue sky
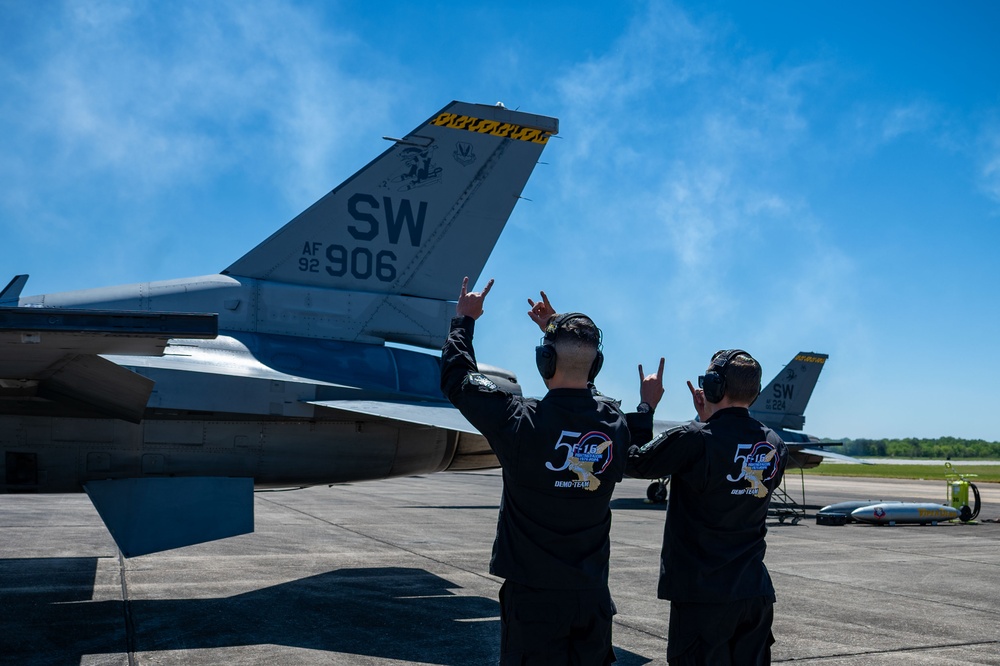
<point x="778" y="176"/>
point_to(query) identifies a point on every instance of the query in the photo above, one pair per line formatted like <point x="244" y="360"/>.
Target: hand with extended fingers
<point x="651" y="386"/>
<point x="698" y="398"/>
<point x="470" y="303"/>
<point x="541" y="312"/>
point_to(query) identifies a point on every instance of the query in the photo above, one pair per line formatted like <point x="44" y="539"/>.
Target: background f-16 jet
<point x="781" y="406"/>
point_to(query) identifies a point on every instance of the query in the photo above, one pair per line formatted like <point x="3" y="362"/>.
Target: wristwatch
<point x="644" y="408"/>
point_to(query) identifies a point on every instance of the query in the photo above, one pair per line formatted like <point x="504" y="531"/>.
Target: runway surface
<point x="395" y="572"/>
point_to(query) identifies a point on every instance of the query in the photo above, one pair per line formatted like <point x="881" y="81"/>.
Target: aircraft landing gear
<point x="656" y="493"/>
<point x="795" y="519"/>
<point x="784" y="506"/>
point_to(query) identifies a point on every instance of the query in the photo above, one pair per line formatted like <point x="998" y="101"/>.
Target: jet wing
<point x="823" y="453"/>
<point x="434" y="414"/>
<point x="53" y="354"/>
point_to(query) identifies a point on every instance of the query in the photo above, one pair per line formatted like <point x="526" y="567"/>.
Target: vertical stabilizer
<point x="782" y="403"/>
<point x="419" y="217"/>
<point x="12" y="292"/>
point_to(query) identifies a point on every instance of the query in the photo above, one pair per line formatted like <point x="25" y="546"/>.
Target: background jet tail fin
<point x="782" y="403"/>
<point x="12" y="292"/>
<point x="419" y="217"/>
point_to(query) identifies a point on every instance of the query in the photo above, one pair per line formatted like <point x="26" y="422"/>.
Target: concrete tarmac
<point x="395" y="572"/>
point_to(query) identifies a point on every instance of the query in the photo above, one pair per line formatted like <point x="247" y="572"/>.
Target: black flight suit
<point x="561" y="458"/>
<point x="712" y="568"/>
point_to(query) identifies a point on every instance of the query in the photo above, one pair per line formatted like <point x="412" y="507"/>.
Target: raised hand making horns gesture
<point x="470" y="303"/>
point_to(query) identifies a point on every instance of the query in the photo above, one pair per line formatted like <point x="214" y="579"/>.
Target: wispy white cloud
<point x="156" y="97"/>
<point x="130" y="113"/>
<point x="989" y="170"/>
<point x="676" y="184"/>
<point x="913" y="118"/>
<point x="867" y="126"/>
<point x="991" y="177"/>
<point x="684" y="138"/>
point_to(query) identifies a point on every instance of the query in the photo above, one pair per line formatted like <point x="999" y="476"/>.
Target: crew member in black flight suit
<point x="561" y="457"/>
<point x="723" y="468"/>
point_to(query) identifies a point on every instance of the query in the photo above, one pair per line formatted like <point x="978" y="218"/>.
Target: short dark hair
<point x="742" y="377"/>
<point x="577" y="341"/>
<point x="579" y="329"/>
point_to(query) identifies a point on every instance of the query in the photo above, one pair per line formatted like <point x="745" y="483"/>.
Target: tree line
<point x="942" y="448"/>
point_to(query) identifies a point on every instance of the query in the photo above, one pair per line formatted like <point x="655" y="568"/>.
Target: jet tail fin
<point x="12" y="292"/>
<point x="419" y="217"/>
<point x="782" y="403"/>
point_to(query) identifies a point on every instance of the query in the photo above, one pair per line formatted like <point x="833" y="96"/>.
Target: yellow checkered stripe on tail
<point x="493" y="127"/>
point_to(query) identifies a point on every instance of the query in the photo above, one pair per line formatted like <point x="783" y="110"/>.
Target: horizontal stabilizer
<point x="434" y="414"/>
<point x="150" y="515"/>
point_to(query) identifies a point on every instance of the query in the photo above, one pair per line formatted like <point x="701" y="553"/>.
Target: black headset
<point x="713" y="382"/>
<point x="545" y="353"/>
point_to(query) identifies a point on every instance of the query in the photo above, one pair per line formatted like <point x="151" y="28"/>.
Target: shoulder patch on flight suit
<point x="656" y="441"/>
<point x="481" y="382"/>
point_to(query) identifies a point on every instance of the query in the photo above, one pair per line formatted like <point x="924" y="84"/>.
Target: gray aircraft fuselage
<point x="241" y="405"/>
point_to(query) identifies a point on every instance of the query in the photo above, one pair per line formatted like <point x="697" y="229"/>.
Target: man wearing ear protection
<point x="561" y="457"/>
<point x="723" y="468"/>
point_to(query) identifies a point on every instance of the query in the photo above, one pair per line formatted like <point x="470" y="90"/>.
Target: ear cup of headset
<point x="545" y="360"/>
<point x="714" y="381"/>
<point x="714" y="386"/>
<point x="596" y="366"/>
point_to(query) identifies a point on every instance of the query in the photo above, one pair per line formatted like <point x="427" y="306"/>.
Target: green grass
<point x="984" y="473"/>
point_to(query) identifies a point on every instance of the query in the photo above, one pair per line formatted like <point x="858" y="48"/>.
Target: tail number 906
<point x="360" y="262"/>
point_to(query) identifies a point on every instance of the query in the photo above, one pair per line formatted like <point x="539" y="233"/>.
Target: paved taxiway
<point x="395" y="572"/>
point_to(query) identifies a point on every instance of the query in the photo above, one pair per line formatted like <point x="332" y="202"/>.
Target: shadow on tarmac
<point x="633" y="503"/>
<point x="47" y="614"/>
<point x="397" y="613"/>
